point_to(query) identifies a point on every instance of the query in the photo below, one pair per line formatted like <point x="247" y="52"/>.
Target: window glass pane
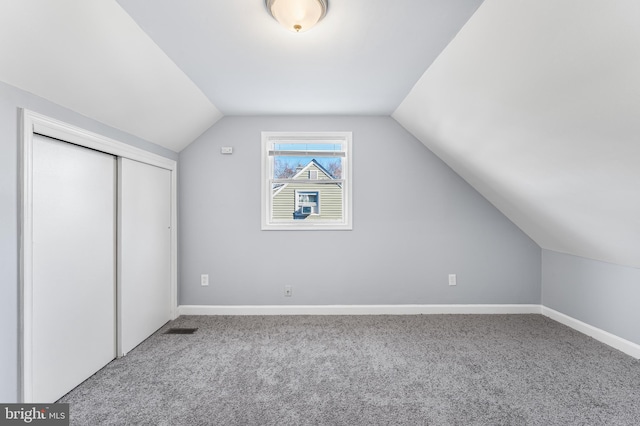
<point x="285" y="167"/>
<point x="307" y="198"/>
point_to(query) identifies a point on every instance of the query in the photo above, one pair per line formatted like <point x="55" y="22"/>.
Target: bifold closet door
<point x="74" y="266"/>
<point x="144" y="251"/>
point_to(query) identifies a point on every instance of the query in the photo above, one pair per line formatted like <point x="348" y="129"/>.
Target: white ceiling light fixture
<point x="297" y="15"/>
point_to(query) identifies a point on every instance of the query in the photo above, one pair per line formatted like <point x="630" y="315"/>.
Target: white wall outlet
<point x="288" y="291"/>
<point x="204" y="279"/>
<point x="226" y="150"/>
<point x="452" y="279"/>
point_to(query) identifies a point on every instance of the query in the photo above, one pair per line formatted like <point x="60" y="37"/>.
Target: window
<point x="307" y="202"/>
<point x="306" y="180"/>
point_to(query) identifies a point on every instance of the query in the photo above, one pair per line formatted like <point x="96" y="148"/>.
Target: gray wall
<point x="10" y="100"/>
<point x="600" y="294"/>
<point x="415" y="221"/>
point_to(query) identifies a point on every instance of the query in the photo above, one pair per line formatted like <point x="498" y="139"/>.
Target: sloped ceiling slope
<point x="536" y="103"/>
<point x="91" y="57"/>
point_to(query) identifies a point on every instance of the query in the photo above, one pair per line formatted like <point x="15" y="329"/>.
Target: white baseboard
<point x="356" y="309"/>
<point x="605" y="337"/>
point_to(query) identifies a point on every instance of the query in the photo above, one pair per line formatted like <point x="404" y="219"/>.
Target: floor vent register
<point x="180" y="331"/>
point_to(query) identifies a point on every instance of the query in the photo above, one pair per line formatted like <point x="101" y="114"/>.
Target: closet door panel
<point x="74" y="265"/>
<point x="144" y="251"/>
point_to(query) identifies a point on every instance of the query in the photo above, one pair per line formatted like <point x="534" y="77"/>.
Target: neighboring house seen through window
<point x="306" y="180"/>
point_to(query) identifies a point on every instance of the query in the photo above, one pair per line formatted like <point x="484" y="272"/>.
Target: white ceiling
<point x="363" y="58"/>
<point x="536" y="103"/>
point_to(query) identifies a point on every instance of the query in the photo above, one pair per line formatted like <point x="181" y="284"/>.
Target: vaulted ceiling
<point x="363" y="58"/>
<point x="536" y="103"/>
<point x="166" y="70"/>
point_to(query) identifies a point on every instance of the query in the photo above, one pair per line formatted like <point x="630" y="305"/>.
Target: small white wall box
<point x="226" y="150"/>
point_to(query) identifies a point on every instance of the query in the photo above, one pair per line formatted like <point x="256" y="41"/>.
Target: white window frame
<point x="268" y="140"/>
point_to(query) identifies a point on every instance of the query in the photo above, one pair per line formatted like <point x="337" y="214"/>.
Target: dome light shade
<point x="297" y="15"/>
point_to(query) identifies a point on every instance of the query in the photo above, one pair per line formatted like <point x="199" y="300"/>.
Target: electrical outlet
<point x="288" y="291"/>
<point x="204" y="279"/>
<point x="452" y="279"/>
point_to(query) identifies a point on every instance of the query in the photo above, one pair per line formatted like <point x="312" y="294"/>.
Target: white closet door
<point x="74" y="269"/>
<point x="144" y="251"/>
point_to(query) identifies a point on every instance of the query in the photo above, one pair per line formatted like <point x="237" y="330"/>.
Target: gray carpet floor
<point x="364" y="370"/>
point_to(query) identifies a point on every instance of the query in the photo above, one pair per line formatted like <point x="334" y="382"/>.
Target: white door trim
<point x="33" y="122"/>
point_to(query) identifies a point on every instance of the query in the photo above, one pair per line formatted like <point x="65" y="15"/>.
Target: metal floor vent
<point x="180" y="331"/>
